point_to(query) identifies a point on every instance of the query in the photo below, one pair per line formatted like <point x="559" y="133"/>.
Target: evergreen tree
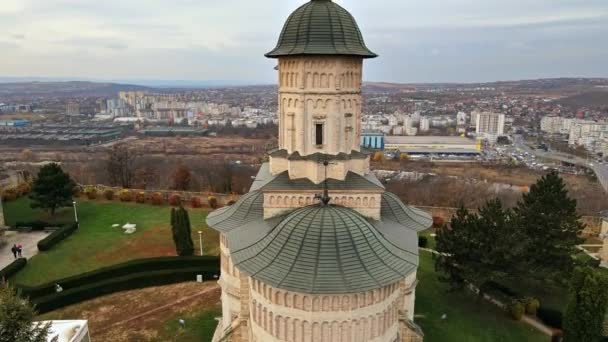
<point x="181" y="231"/>
<point x="52" y="189"/>
<point x="16" y="316"/>
<point x="480" y="248"/>
<point x="586" y="310"/>
<point x="551" y="226"/>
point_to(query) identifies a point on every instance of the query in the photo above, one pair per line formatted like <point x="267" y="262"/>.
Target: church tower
<point x="318" y="250"/>
<point x="320" y="65"/>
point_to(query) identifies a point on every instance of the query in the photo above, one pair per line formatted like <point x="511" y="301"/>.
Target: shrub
<point x="125" y="195"/>
<point x="23" y="189"/>
<point x="77" y="191"/>
<point x="140" y="197"/>
<point x="423" y="241"/>
<point x="9" y="194"/>
<point x="56" y="237"/>
<point x="549" y="316"/>
<point x="12" y="268"/>
<point x="108" y="194"/>
<point x="516" y="310"/>
<point x="212" y="202"/>
<point x="532" y="305"/>
<point x="175" y="200"/>
<point x="156" y="198"/>
<point x="438" y="221"/>
<point x="90" y="192"/>
<point x="196" y="202"/>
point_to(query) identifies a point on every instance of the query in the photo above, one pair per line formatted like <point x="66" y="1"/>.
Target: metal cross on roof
<point x="324" y="198"/>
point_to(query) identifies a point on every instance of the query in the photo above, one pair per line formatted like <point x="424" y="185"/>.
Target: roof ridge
<point x="314" y="278"/>
<point x="404" y="207"/>
<point x="299" y="248"/>
<point x="387" y="249"/>
<point x="356" y="251"/>
<point x="338" y="254"/>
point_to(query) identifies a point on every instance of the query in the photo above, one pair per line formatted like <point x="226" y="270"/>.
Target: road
<point x="601" y="171"/>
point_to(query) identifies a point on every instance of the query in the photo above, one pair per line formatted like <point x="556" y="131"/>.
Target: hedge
<point x="56" y="237"/>
<point x="423" y="241"/>
<point x="13" y="268"/>
<point x="35" y="225"/>
<point x="113" y="285"/>
<point x="549" y="316"/>
<point x="119" y="270"/>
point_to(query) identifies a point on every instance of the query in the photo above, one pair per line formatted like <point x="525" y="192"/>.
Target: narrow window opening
<point x="319" y="134"/>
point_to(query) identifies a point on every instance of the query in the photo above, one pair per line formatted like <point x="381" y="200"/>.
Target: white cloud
<point x="211" y="39"/>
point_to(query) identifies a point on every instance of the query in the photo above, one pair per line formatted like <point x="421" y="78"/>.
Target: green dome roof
<point x="327" y="249"/>
<point x="321" y="27"/>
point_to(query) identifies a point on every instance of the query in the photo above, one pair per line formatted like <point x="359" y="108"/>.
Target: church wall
<point x="230" y="284"/>
<point x="315" y="171"/>
<point x="367" y="204"/>
<point x="279" y="315"/>
<point x="320" y="90"/>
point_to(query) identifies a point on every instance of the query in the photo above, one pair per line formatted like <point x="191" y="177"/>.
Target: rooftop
<point x="321" y="27"/>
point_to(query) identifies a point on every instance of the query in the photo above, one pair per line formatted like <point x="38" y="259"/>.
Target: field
<point x="96" y="244"/>
<point x="150" y="314"/>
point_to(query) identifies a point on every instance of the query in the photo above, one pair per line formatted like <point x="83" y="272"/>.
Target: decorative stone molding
<point x="367" y="204"/>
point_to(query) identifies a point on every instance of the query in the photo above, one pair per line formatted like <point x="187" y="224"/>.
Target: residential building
<point x="425" y="124"/>
<point x="489" y="126"/>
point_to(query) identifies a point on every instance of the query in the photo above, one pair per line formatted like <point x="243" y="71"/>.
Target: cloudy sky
<point x="417" y="40"/>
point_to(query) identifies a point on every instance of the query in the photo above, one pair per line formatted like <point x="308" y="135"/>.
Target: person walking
<point x="19" y="250"/>
<point x="14" y="250"/>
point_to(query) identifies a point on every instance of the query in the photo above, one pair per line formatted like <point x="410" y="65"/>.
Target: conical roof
<point x="321" y="27"/>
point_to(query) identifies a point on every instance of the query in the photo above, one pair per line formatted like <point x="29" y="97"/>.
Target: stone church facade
<point x="318" y="250"/>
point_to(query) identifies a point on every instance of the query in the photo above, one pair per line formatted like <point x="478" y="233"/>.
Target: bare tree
<point x="121" y="165"/>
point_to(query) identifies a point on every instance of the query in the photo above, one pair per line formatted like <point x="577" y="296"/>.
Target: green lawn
<point x="469" y="318"/>
<point x="96" y="244"/>
<point x="200" y="327"/>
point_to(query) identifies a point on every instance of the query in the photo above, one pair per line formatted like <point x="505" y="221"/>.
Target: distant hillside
<point x="550" y="84"/>
<point x="589" y="99"/>
<point x="63" y="89"/>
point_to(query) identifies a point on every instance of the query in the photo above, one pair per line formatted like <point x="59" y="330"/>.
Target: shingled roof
<point x="321" y="27"/>
<point x="319" y="249"/>
<point x="326" y="249"/>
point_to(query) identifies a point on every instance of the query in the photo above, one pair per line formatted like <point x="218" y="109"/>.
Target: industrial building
<point x="432" y="145"/>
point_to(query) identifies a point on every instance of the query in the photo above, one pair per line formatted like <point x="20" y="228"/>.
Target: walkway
<point x="28" y="240"/>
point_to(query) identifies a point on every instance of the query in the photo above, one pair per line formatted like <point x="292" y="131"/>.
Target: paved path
<point x="27" y="240"/>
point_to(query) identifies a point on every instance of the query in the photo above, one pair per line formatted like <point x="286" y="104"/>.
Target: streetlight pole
<point x="75" y="212"/>
<point x="200" y="240"/>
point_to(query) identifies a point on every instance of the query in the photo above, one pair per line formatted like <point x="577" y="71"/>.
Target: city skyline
<point x="418" y="41"/>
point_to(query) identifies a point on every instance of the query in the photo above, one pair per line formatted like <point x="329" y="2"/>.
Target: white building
<point x="425" y="124"/>
<point x="490" y="126"/>
<point x="556" y="124"/>
<point x="585" y="132"/>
